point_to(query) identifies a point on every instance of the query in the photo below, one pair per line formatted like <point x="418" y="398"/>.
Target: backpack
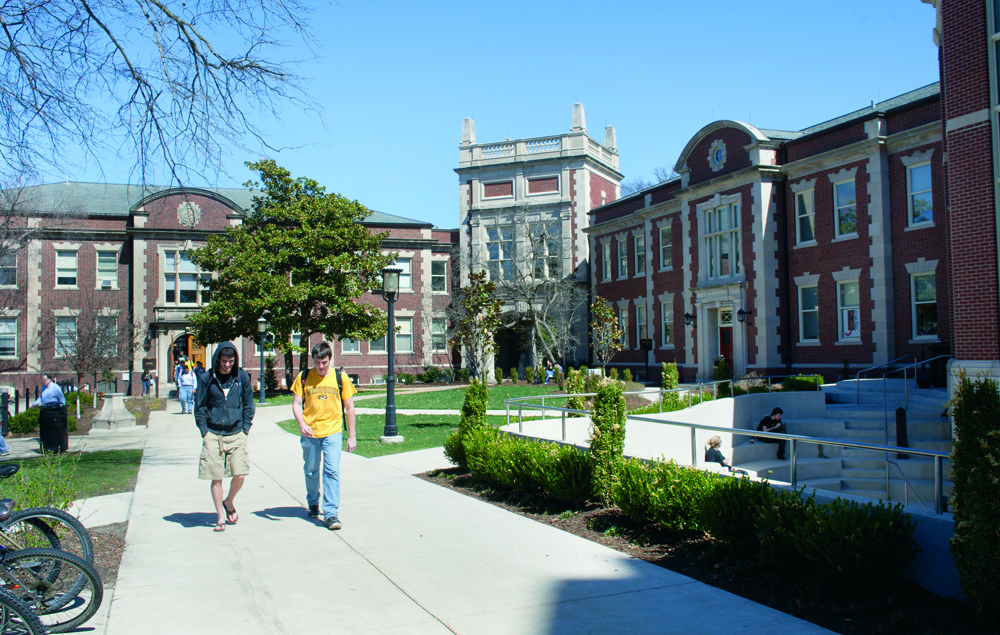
<point x="304" y="375"/>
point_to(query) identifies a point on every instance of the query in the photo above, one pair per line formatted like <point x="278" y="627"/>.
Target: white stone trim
<point x="846" y="275"/>
<point x="921" y="266"/>
<point x="807" y="279"/>
<point x="66" y="246"/>
<point x="666" y="297"/>
<point x="65" y="312"/>
<point x="605" y="240"/>
<point x="621" y="304"/>
<point x="971" y="119"/>
<point x="846" y="237"/>
<point x="765" y="265"/>
<point x="917" y="157"/>
<point x="621" y="235"/>
<point x="844" y="175"/>
<point x="718" y="144"/>
<point x="880" y="252"/>
<point x="638" y="231"/>
<point x="803" y="185"/>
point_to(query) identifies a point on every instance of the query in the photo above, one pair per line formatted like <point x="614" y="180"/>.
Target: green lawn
<point x="419" y="431"/>
<point x="95" y="474"/>
<point x="452" y="399"/>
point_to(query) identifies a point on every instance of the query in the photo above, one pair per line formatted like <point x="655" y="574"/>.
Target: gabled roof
<point x="110" y="199"/>
<point x="383" y="219"/>
<point x="930" y="90"/>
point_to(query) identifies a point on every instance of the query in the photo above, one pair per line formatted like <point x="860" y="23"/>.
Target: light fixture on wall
<point x="742" y="316"/>
<point x="690" y="320"/>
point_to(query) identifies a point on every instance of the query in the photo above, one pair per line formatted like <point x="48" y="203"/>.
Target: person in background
<point x="772" y="423"/>
<point x="52" y="394"/>
<point x="147" y="382"/>
<point x="187" y="381"/>
<point x="712" y="453"/>
<point x="199" y="369"/>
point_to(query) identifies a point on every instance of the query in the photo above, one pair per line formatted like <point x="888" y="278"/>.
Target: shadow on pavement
<point x="277" y="513"/>
<point x="189" y="520"/>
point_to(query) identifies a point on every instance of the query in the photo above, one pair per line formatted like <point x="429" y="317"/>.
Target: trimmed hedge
<point x="607" y="436"/>
<point x="473" y="418"/>
<point x="662" y="492"/>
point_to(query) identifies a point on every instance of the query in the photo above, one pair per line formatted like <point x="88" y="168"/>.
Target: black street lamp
<point x="262" y="331"/>
<point x="390" y="291"/>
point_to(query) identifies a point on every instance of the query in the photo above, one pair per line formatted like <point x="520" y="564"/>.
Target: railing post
<point x="938" y="493"/>
<point x="768" y="385"/>
<point x="689" y="397"/>
<point x="906" y="389"/>
<point x="694" y="449"/>
<point x="508" y="413"/>
<point x="792" y="448"/>
<point x="564" y="427"/>
<point x="520" y="419"/>
<point x="545" y="413"/>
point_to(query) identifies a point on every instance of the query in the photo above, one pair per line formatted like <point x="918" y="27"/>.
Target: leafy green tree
<point x="606" y="337"/>
<point x="477" y="319"/>
<point x="300" y="259"/>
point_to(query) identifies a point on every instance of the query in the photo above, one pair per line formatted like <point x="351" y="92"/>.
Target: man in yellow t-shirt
<point x="317" y="409"/>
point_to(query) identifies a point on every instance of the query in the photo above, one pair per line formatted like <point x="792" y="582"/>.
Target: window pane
<point x="66" y="268"/>
<point x="806" y="218"/>
<point x="724" y="255"/>
<point x="170" y="287"/>
<point x="810" y="325"/>
<point x="65" y="335"/>
<point x="404" y="339"/>
<point x="350" y="346"/>
<point x="171" y="260"/>
<point x="667" y="318"/>
<point x="923" y="207"/>
<point x="666" y="248"/>
<point x="810" y="298"/>
<point x="846" y="209"/>
<point x="849" y="295"/>
<point x="438" y="326"/>
<point x="438" y="282"/>
<point x="925" y="288"/>
<point x="189" y="289"/>
<point x="8" y="337"/>
<point x="377" y="345"/>
<point x="920" y="178"/>
<point x="927" y="319"/>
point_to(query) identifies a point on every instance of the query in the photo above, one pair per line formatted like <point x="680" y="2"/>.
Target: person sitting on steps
<point x="712" y="453"/>
<point x="772" y="423"/>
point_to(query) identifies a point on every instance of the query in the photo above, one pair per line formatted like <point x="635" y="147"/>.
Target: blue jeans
<point x="187" y="398"/>
<point x="329" y="449"/>
<point x="3" y="445"/>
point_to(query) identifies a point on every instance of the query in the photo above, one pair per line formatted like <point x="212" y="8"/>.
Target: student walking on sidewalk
<point x="321" y="403"/>
<point x="224" y="412"/>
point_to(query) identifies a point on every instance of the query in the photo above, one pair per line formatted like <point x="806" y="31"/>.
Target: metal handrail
<point x="857" y="378"/>
<point x="792" y="439"/>
<point x="906" y="481"/>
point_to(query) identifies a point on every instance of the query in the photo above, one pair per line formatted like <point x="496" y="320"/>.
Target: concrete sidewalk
<point x="412" y="558"/>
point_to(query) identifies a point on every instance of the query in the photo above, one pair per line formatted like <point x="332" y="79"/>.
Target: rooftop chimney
<point x="579" y="119"/>
<point x="468" y="131"/>
<point x="610" y="141"/>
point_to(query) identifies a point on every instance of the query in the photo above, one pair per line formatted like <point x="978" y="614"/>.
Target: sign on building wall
<point x="851" y="319"/>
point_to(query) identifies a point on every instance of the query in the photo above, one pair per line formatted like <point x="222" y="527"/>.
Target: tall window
<point x="8" y="337"/>
<point x="66" y="268"/>
<point x="606" y="261"/>
<point x="919" y="197"/>
<point x="640" y="254"/>
<point x="439" y="339"/>
<point x="722" y="241"/>
<point x="809" y="314"/>
<point x="65" y="336"/>
<point x="849" y="310"/>
<point x="623" y="324"/>
<point x="622" y="258"/>
<point x="107" y="267"/>
<point x="349" y="346"/>
<point x="439" y="275"/>
<point x="805" y="217"/>
<point x="667" y="323"/>
<point x="640" y="322"/>
<point x="924" y="294"/>
<point x="404" y="337"/>
<point x="183" y="281"/>
<point x="500" y="249"/>
<point x="107" y="334"/>
<point x="8" y="270"/>
<point x="545" y="249"/>
<point x="377" y="346"/>
<point x="666" y="247"/>
<point x="845" y="203"/>
<point x="406" y="273"/>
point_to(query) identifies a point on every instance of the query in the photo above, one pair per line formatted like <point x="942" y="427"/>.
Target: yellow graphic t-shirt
<point x="321" y="408"/>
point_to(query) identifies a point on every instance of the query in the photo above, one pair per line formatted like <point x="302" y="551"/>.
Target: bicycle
<point x="44" y="527"/>
<point x="17" y="618"/>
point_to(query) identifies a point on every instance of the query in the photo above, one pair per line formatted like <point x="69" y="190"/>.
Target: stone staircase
<point x="856" y="471"/>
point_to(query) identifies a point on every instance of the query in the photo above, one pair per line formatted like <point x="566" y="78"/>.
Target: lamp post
<point x="262" y="331"/>
<point x="390" y="291"/>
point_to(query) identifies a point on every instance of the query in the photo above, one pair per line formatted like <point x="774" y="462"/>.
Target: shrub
<point x="431" y="374"/>
<point x="462" y="374"/>
<point x="613" y="374"/>
<point x="86" y="400"/>
<point x="560" y="379"/>
<point x="50" y="484"/>
<point x="627" y="376"/>
<point x="722" y="373"/>
<point x="499" y="375"/>
<point x="776" y="526"/>
<point x="473" y="418"/>
<point x="667" y="493"/>
<point x="670" y="377"/>
<point x="802" y="383"/>
<point x="730" y="510"/>
<point x="574" y="385"/>
<point x="24" y="422"/>
<point x="513" y="374"/>
<point x="529" y="374"/>
<point x="975" y="472"/>
<point x="270" y="376"/>
<point x="565" y="473"/>
<point x="406" y="379"/>
<point x="845" y="371"/>
<point x="507" y="460"/>
<point x="540" y="374"/>
<point x="607" y="436"/>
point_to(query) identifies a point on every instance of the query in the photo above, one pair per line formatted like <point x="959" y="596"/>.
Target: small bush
<point x="776" y="527"/>
<point x="730" y="510"/>
<point x="270" y="376"/>
<point x="802" y="383"/>
<point x="462" y="374"/>
<point x="513" y="374"/>
<point x="473" y="418"/>
<point x="406" y="379"/>
<point x="507" y="460"/>
<point x="86" y="400"/>
<point x="574" y="386"/>
<point x="613" y="374"/>
<point x="431" y="374"/>
<point x="51" y="484"/>
<point x="529" y="374"/>
<point x="627" y="376"/>
<point x="670" y="376"/>
<point x="565" y="473"/>
<point x="607" y="436"/>
<point x="722" y="373"/>
<point x="24" y="422"/>
<point x="663" y="492"/>
<point x="560" y="379"/>
<point x="499" y="374"/>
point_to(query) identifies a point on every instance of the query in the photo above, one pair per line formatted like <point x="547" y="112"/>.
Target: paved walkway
<point x="412" y="558"/>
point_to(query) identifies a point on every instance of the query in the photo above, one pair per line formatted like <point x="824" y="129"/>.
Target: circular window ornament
<point x="188" y="214"/>
<point x="717" y="155"/>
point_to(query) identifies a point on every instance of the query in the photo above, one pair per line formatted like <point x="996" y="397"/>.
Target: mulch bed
<point x="109" y="545"/>
<point x="901" y="608"/>
<point x="140" y="407"/>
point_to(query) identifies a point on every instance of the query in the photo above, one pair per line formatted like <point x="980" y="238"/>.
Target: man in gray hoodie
<point x="223" y="410"/>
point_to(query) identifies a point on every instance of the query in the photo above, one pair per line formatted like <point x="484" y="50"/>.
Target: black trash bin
<point x="939" y="367"/>
<point x="53" y="429"/>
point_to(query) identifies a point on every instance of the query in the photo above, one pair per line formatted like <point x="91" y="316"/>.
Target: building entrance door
<point x="180" y="349"/>
<point x="726" y="335"/>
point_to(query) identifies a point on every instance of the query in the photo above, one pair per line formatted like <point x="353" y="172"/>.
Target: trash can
<point x="53" y="429"/>
<point x="939" y="367"/>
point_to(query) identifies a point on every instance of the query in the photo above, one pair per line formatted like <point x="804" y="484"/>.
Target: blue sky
<point x="395" y="80"/>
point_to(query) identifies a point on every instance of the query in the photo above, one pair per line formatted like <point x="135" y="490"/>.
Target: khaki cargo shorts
<point x="223" y="456"/>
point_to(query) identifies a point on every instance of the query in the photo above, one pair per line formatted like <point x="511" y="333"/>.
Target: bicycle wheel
<point x="64" y="590"/>
<point x="48" y="528"/>
<point x="17" y="618"/>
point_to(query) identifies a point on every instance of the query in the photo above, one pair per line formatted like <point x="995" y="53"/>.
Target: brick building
<point x="523" y="211"/>
<point x="123" y="250"/>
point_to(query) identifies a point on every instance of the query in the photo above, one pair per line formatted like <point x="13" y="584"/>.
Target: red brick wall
<point x="826" y="141"/>
<point x="548" y="184"/>
<point x="736" y="157"/>
<point x="163" y="213"/>
<point x="493" y="190"/>
<point x="599" y="184"/>
<point x="911" y="118"/>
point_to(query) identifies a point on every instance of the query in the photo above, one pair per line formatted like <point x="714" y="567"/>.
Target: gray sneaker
<point x="314" y="510"/>
<point x="332" y="523"/>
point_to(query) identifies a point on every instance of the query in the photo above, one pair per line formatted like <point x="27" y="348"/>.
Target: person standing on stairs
<point x="772" y="423"/>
